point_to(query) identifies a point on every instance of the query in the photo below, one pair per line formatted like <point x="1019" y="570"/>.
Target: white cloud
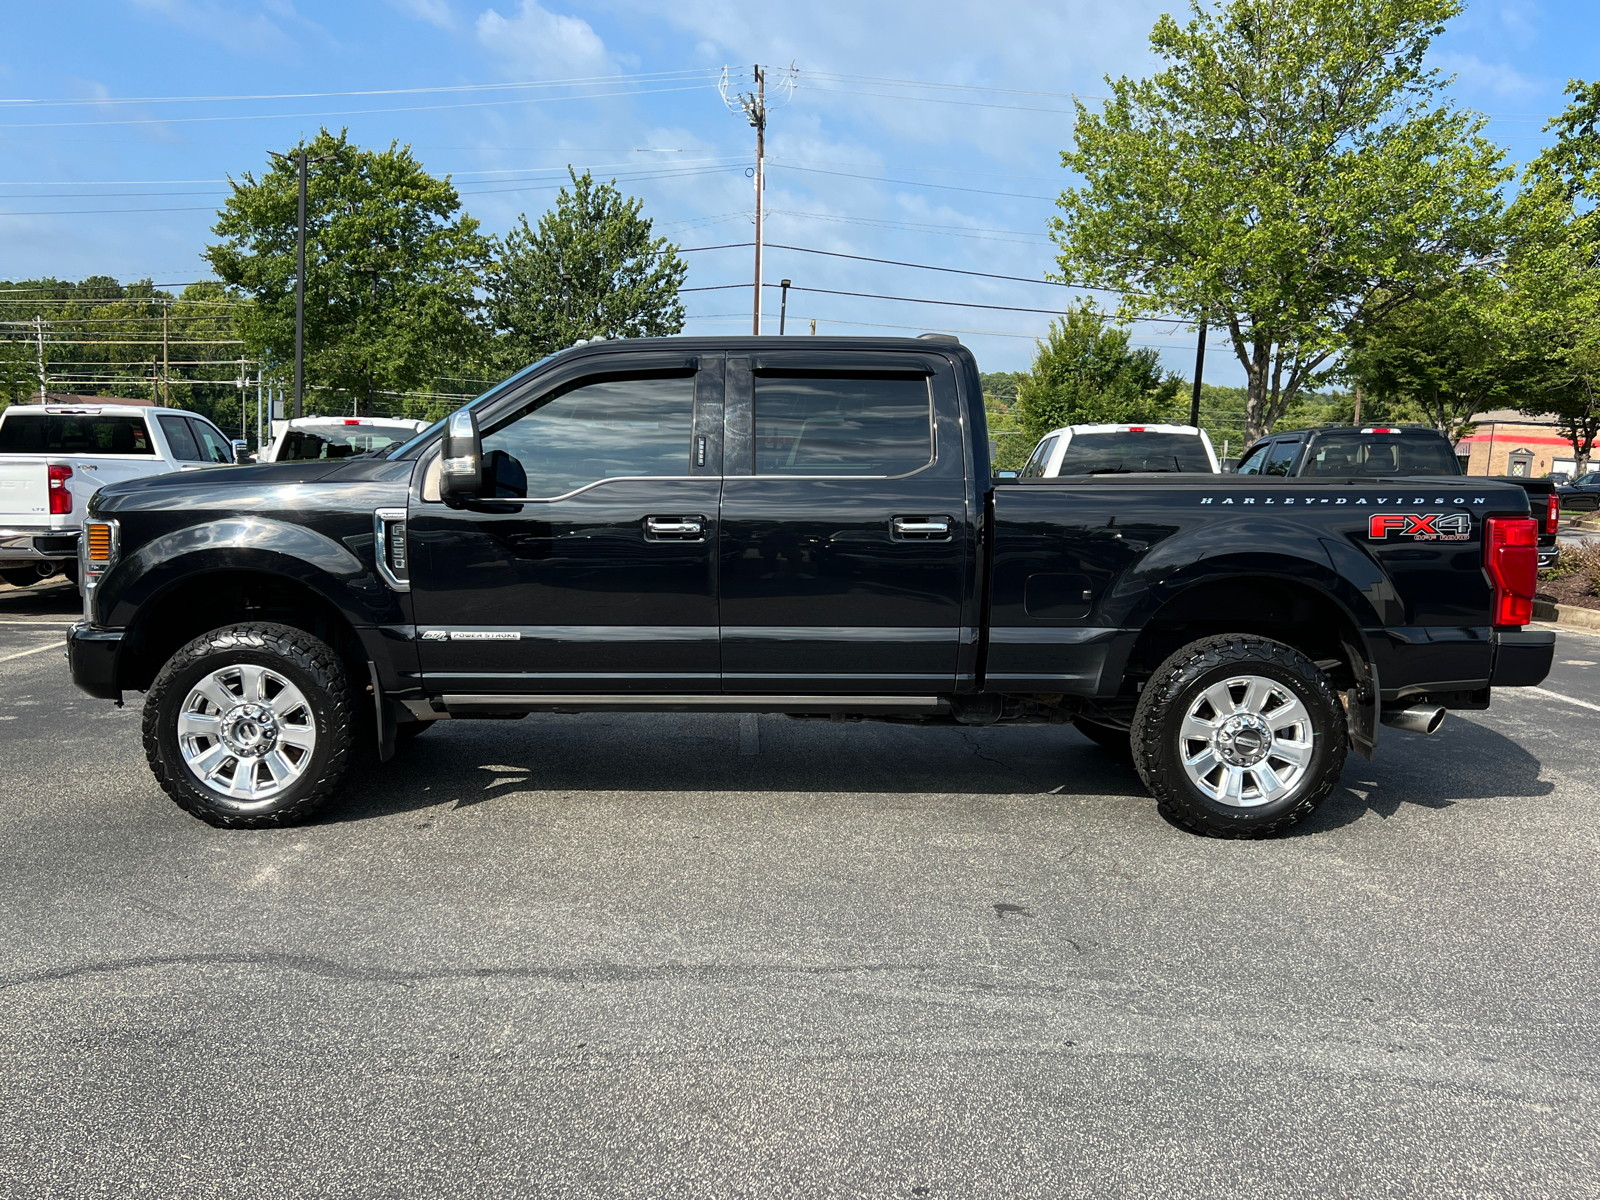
<point x="1475" y="75"/>
<point x="543" y="44"/>
<point x="250" y="33"/>
<point x="435" y="12"/>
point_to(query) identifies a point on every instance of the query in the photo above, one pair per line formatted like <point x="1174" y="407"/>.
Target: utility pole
<point x="166" y="374"/>
<point x="242" y="382"/>
<point x="258" y="407"/>
<point x="300" y="294"/>
<point x="1199" y="369"/>
<point x="783" y="310"/>
<point x="754" y="107"/>
<point x="1358" y="404"/>
<point x="300" y="161"/>
<point x="39" y="336"/>
<point x="758" y="118"/>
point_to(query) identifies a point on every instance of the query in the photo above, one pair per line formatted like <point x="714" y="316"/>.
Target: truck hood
<point x="212" y="478"/>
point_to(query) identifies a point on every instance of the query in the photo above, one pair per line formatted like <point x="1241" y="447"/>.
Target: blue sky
<point x="865" y="157"/>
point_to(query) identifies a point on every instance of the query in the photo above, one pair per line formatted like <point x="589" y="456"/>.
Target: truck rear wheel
<point x="1239" y="736"/>
<point x="249" y="727"/>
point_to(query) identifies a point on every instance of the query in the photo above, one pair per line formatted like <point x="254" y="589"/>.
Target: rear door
<point x="592" y="570"/>
<point x="844" y="540"/>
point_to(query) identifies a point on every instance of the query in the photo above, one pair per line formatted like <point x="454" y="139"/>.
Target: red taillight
<point x="1380" y="429"/>
<point x="1135" y="428"/>
<point x="60" y="498"/>
<point x="351" y="421"/>
<point x="1511" y="554"/>
<point x="1552" y="513"/>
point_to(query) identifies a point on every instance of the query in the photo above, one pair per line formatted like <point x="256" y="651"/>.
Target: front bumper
<point x="37" y="544"/>
<point x="1522" y="658"/>
<point x="92" y="658"/>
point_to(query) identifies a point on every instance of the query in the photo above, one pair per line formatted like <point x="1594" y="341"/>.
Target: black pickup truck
<point x="800" y="526"/>
<point x="1384" y="452"/>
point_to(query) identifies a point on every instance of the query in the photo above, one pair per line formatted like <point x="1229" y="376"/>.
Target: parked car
<point x="1121" y="450"/>
<point x="1388" y="452"/>
<point x="1581" y="494"/>
<point x="53" y="458"/>
<point x="805" y="526"/>
<point x="317" y="438"/>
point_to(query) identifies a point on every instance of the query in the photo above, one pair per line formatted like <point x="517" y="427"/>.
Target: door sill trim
<point x="693" y="703"/>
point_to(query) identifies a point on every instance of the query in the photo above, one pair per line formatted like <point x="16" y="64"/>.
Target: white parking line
<point x="35" y="650"/>
<point x="1547" y="692"/>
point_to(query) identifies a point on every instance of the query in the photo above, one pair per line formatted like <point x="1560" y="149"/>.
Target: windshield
<point x="1117" y="452"/>
<point x="336" y="441"/>
<point x="73" y="433"/>
<point x="1356" y="453"/>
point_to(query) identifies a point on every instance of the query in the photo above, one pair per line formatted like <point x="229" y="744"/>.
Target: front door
<point x="844" y="537"/>
<point x="592" y="568"/>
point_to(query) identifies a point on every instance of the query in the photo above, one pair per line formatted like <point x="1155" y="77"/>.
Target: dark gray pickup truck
<point x="805" y="526"/>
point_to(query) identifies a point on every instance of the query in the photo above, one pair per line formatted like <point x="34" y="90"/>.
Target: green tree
<point x="1553" y="272"/>
<point x="1445" y="353"/>
<point x="591" y="269"/>
<point x="1085" y="373"/>
<point x="392" y="272"/>
<point x="1290" y="176"/>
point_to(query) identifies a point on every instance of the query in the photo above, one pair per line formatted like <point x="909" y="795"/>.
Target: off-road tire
<point x="1109" y="738"/>
<point x="1175" y="686"/>
<point x="310" y="664"/>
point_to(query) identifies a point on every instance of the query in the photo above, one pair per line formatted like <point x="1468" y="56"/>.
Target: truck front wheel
<point x="249" y="727"/>
<point x="1239" y="736"/>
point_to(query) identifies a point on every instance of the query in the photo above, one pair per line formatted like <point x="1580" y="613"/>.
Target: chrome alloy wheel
<point x="246" y="732"/>
<point x="1246" y="741"/>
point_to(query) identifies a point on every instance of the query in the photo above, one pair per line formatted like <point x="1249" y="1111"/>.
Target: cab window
<point x="214" y="447"/>
<point x="1039" y="459"/>
<point x="1280" y="458"/>
<point x="1254" y="460"/>
<point x="599" y="429"/>
<point x="838" y="425"/>
<point x="180" y="436"/>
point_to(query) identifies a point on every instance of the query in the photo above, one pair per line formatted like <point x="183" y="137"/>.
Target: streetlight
<point x="300" y="160"/>
<point x="783" y="309"/>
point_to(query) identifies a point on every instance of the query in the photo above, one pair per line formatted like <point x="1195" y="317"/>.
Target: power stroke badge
<point x="1421" y="527"/>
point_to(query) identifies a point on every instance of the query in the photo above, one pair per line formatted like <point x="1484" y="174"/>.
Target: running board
<point x="892" y="705"/>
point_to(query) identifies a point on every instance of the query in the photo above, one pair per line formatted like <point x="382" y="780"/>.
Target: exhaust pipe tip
<point x="1419" y="718"/>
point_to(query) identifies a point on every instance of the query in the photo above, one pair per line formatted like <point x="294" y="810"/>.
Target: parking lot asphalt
<point x="652" y="956"/>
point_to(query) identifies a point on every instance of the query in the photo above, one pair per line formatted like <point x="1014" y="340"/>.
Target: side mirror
<point x="461" y="459"/>
<point x="241" y="452"/>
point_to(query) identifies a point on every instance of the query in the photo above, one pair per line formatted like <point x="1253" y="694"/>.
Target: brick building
<point x="1509" y="443"/>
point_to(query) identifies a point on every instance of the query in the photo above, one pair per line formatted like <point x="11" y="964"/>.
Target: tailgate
<point x="24" y="491"/>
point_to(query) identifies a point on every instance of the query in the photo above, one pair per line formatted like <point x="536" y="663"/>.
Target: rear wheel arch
<point x="1292" y="611"/>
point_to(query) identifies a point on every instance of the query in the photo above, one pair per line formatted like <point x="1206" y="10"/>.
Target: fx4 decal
<point x="1422" y="527"/>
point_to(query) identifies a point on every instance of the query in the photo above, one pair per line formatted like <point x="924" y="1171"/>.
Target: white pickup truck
<point x="54" y="457"/>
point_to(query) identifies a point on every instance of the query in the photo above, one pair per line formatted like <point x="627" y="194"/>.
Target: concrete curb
<point x="1568" y="615"/>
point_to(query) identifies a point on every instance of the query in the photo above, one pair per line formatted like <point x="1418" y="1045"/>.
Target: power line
<point x="352" y="112"/>
<point x="1053" y="312"/>
<point x="102" y="101"/>
<point x="947" y="187"/>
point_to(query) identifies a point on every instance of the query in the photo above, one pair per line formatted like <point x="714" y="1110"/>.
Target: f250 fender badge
<point x="1421" y="527"/>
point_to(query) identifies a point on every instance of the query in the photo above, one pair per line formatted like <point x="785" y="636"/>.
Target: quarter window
<point x="827" y="425"/>
<point x="604" y="429"/>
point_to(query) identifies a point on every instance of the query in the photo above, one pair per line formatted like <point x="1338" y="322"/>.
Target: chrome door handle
<point x="921" y="527"/>
<point x="677" y="529"/>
